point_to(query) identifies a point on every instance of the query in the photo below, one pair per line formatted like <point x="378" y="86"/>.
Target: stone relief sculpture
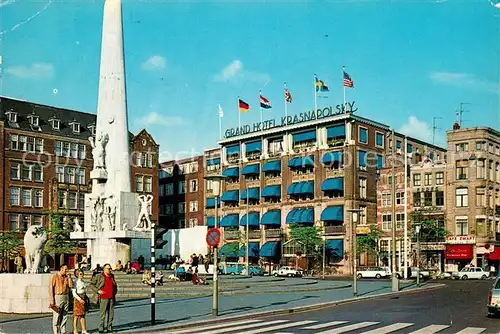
<point x="110" y="213"/>
<point x="143" y="221"/>
<point x="99" y="150"/>
<point x="34" y="240"/>
<point x="76" y="225"/>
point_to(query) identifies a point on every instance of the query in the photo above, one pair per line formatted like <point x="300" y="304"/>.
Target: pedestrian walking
<point x="206" y="262"/>
<point x="80" y="302"/>
<point x="105" y="286"/>
<point x="59" y="287"/>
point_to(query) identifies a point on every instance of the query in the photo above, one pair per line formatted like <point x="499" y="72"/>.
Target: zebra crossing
<point x="284" y="326"/>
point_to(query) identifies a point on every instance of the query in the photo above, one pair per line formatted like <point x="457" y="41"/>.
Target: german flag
<point x="243" y="106"/>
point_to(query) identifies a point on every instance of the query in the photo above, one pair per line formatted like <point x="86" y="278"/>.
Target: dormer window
<point x="34" y="120"/>
<point x="55" y="122"/>
<point x="75" y="126"/>
<point x="92" y="129"/>
<point x="11" y="116"/>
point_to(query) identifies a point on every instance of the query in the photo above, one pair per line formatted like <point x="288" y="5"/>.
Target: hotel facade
<point x="309" y="172"/>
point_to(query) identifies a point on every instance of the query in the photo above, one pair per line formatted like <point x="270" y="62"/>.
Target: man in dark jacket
<point x="105" y="286"/>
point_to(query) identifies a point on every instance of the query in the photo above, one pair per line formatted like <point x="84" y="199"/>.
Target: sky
<point x="411" y="61"/>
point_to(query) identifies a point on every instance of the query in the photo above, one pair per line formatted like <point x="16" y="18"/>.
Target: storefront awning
<point x="330" y="157"/>
<point x="272" y="217"/>
<point x="270" y="249"/>
<point x="211" y="203"/>
<point x="230" y="220"/>
<point x="253" y="169"/>
<point x="213" y="162"/>
<point x="233" y="172"/>
<point x="332" y="184"/>
<point x="211" y="221"/>
<point x="300" y="216"/>
<point x="271" y="191"/>
<point x="253" y="193"/>
<point x="272" y="166"/>
<point x="230" y="196"/>
<point x="253" y="249"/>
<point x="301" y="162"/>
<point x="253" y="219"/>
<point x="333" y="213"/>
<point x="495" y="255"/>
<point x="301" y="188"/>
<point x="230" y="249"/>
<point x="335" y="247"/>
<point x="255" y="146"/>
<point x="458" y="252"/>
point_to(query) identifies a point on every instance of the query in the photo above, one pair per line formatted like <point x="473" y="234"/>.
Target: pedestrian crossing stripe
<point x="284" y="326"/>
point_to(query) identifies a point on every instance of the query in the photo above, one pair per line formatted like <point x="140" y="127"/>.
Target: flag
<point x="221" y="112"/>
<point x="243" y="106"/>
<point x="288" y="96"/>
<point x="348" y="81"/>
<point x="264" y="103"/>
<point x="321" y="86"/>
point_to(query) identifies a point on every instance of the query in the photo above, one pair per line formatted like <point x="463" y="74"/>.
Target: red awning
<point x="458" y="252"/>
<point x="495" y="255"/>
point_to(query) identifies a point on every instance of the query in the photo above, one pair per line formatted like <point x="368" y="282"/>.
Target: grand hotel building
<point x="309" y="173"/>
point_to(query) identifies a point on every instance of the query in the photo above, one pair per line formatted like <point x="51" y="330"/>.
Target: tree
<point x="369" y="242"/>
<point x="9" y="245"/>
<point x="309" y="236"/>
<point x="431" y="222"/>
<point x="58" y="240"/>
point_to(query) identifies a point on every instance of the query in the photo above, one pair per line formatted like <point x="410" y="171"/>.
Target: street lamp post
<point x="216" y="179"/>
<point x="395" y="281"/>
<point x="246" y="248"/>
<point x="324" y="253"/>
<point x="417" y="231"/>
<point x="354" y="215"/>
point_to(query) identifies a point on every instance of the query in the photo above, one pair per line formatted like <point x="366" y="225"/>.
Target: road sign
<point x="213" y="237"/>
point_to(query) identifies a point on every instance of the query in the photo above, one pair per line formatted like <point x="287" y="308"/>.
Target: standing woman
<point x="80" y="301"/>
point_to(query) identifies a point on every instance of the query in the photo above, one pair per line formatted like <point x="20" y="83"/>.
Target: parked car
<point x="470" y="273"/>
<point x="414" y="270"/>
<point x="239" y="268"/>
<point x="494" y="299"/>
<point x="288" y="271"/>
<point x="373" y="272"/>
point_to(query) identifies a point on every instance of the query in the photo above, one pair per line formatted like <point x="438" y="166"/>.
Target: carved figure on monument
<point x="76" y="225"/>
<point x="97" y="214"/>
<point x="143" y="221"/>
<point x="110" y="213"/>
<point x="99" y="150"/>
<point x="34" y="240"/>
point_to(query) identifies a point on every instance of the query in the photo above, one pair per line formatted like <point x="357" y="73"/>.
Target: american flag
<point x="348" y="81"/>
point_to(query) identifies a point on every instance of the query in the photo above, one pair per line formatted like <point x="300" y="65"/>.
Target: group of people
<point x="61" y="285"/>
<point x="147" y="277"/>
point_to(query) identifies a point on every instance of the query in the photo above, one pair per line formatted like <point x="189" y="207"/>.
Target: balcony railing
<point x="254" y="234"/>
<point x="335" y="229"/>
<point x="274" y="233"/>
<point x="231" y="235"/>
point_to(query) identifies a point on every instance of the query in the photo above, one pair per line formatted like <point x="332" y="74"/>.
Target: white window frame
<point x="464" y="226"/>
<point x="12" y="194"/>
<point x="193" y="206"/>
<point x="139" y="183"/>
<point x="363" y="183"/>
<point x="148" y="184"/>
<point x="462" y="197"/>
<point x="359" y="135"/>
<point x="29" y="198"/>
<point x="38" y="198"/>
<point x="191" y="183"/>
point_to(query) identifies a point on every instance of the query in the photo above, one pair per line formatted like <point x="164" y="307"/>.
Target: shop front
<point x="491" y="259"/>
<point x="458" y="256"/>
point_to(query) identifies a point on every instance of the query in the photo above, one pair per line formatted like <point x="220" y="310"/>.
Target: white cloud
<point x="153" y="118"/>
<point x="465" y="80"/>
<point x="36" y="70"/>
<point x="417" y="129"/>
<point x="153" y="63"/>
<point x="236" y="71"/>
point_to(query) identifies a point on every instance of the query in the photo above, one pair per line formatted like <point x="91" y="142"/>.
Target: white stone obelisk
<point x="112" y="105"/>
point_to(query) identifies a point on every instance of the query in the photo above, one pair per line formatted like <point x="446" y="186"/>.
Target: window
<point x="417" y="180"/>
<point x="400" y="198"/>
<point x="26" y="173"/>
<point x="169" y="189"/>
<point x="81" y="201"/>
<point x="37" y="173"/>
<point x="169" y="209"/>
<point x="428" y="198"/>
<point x="72" y="200"/>
<point x="380" y="161"/>
<point x="181" y="207"/>
<point x="275" y="147"/>
<point x="182" y="187"/>
<point x="497" y="172"/>
<point x="193" y="167"/>
<point x="490" y="168"/>
<point x="139" y="186"/>
<point x="461" y="173"/>
<point x="74" y="150"/>
<point x="480" y="169"/>
<point x="362" y="215"/>
<point x="23" y="140"/>
<point x="427" y="179"/>
<point x="417" y="199"/>
<point x="37" y="220"/>
<point x="400" y="218"/>
<point x="182" y="223"/>
<point x="15" y="171"/>
<point x="193" y="222"/>
<point x="193" y="186"/>
<point x="439" y="198"/>
<point x="462" y="199"/>
<point x="66" y="149"/>
<point x="14" y="222"/>
<point x="161" y="190"/>
<point x="480" y="226"/>
<point x="81" y="151"/>
<point x="38" y="198"/>
<point x="61" y="199"/>
<point x="480" y="146"/>
<point x="12" y="116"/>
<point x="148" y="184"/>
<point x="14" y="196"/>
<point x="30" y="146"/>
<point x="138" y="159"/>
<point x="26" y="197"/>
<point x="26" y="222"/>
<point x="362" y="159"/>
<point x="80" y="176"/>
<point x="409" y="148"/>
<point x="379" y="139"/>
<point x="481" y="197"/>
<point x="386" y="199"/>
<point x="462" y="147"/>
<point x="69" y="175"/>
<point x="462" y="227"/>
<point x="363" y="135"/>
<point x="193" y="206"/>
<point x="386" y="221"/>
<point x="439" y="178"/>
<point x="55" y="123"/>
<point x="362" y="187"/>
<point x="60" y="174"/>
<point x="76" y="127"/>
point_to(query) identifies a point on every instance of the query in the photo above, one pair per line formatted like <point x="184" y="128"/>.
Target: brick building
<point x="46" y="161"/>
<point x="181" y="188"/>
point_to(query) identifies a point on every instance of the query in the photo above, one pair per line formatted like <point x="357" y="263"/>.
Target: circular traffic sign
<point x="213" y="237"/>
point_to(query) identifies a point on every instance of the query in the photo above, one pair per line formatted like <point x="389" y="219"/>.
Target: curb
<point x="297" y="309"/>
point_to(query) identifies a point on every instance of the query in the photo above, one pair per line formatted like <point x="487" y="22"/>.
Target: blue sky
<point x="410" y="61"/>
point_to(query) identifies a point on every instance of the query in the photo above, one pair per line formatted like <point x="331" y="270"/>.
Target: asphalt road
<point x="459" y="307"/>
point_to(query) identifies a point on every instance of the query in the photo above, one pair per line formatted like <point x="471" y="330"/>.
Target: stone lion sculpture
<point x="34" y="240"/>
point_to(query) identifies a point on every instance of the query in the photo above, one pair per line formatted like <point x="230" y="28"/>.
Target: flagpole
<point x="260" y="107"/>
<point x="239" y="115"/>
<point x="315" y="95"/>
<point x="220" y="122"/>
<point x="286" y="104"/>
<point x="343" y="70"/>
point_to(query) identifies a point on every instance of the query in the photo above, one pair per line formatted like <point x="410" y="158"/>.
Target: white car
<point x="373" y="272"/>
<point x="471" y="273"/>
<point x="288" y="271"/>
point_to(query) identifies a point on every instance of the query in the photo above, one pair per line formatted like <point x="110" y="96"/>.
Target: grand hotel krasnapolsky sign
<point x="290" y="120"/>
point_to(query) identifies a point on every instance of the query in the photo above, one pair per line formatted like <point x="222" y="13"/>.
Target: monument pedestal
<point x="24" y="293"/>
